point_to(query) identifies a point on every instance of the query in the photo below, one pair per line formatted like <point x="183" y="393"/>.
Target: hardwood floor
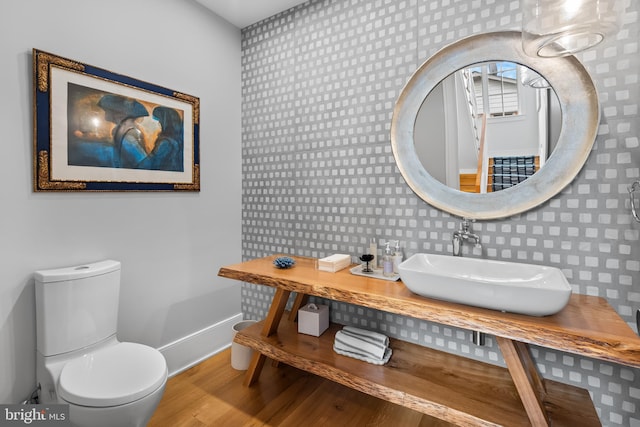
<point x="212" y="394"/>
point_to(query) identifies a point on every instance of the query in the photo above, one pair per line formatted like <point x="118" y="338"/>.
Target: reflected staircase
<point x="503" y="172"/>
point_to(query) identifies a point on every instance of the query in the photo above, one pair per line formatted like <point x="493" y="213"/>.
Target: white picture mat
<point x="61" y="170"/>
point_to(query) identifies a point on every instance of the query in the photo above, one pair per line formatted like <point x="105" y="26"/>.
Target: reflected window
<point x="496" y="88"/>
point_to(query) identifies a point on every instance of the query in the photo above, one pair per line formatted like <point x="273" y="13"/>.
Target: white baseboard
<point x="200" y="345"/>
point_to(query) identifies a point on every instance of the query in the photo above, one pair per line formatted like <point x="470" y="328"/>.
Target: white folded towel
<point x="361" y="344"/>
<point x="372" y="360"/>
<point x="369" y="335"/>
<point x="356" y="344"/>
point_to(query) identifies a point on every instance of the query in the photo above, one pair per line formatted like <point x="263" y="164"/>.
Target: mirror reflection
<point x="487" y="127"/>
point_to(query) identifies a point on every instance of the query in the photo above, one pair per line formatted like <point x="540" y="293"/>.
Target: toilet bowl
<point x="80" y="362"/>
<point x="121" y="385"/>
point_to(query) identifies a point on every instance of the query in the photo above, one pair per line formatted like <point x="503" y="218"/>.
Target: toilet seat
<point x="112" y="376"/>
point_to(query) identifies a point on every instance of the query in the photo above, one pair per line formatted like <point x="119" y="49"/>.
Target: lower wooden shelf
<point x="456" y="389"/>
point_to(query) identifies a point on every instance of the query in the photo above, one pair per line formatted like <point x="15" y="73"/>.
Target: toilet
<point x="79" y="360"/>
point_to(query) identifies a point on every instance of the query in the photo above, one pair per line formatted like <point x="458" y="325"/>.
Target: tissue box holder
<point x="334" y="263"/>
<point x="313" y="319"/>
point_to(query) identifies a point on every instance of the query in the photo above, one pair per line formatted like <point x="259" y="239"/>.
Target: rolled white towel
<point x="357" y="344"/>
<point x="371" y="336"/>
<point x="372" y="360"/>
<point x="364" y="340"/>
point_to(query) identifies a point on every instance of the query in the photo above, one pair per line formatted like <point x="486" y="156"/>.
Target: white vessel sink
<point x="506" y="286"/>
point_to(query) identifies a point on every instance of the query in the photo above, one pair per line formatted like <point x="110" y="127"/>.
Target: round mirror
<point x="437" y="132"/>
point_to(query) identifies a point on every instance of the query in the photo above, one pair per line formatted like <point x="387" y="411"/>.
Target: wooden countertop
<point x="587" y="326"/>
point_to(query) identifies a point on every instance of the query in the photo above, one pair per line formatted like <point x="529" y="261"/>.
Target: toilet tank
<point x="76" y="306"/>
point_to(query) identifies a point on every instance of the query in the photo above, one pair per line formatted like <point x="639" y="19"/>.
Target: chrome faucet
<point x="463" y="235"/>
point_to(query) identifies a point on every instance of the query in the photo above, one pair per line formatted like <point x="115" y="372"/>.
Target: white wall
<point x="516" y="135"/>
<point x="171" y="245"/>
<point x="431" y="135"/>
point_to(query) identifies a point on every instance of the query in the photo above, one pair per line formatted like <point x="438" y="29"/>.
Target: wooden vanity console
<point x="453" y="388"/>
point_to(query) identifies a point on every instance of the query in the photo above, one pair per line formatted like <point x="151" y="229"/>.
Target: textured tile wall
<point x="319" y="86"/>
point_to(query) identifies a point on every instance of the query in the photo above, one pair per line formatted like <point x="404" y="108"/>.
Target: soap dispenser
<point x="373" y="250"/>
<point x="397" y="257"/>
<point x="387" y="261"/>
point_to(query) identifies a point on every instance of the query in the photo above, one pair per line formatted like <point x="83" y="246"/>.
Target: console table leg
<point x="301" y="299"/>
<point x="526" y="378"/>
<point x="254" y="370"/>
<point x="269" y="328"/>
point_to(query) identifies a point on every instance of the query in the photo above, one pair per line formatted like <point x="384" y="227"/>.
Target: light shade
<point x="532" y="79"/>
<point x="553" y="28"/>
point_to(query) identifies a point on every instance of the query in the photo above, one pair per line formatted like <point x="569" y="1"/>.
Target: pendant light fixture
<point x="552" y="28"/>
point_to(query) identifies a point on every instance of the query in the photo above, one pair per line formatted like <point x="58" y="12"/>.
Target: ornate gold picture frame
<point x="95" y="130"/>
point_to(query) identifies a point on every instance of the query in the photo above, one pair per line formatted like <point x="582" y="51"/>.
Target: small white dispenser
<point x="313" y="319"/>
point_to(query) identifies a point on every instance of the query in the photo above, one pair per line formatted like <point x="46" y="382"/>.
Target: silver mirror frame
<point x="579" y="126"/>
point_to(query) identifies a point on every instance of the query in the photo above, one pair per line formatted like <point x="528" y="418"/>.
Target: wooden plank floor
<point x="212" y="394"/>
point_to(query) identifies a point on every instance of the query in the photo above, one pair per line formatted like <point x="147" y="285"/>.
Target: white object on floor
<point x="79" y="360"/>
<point x="241" y="355"/>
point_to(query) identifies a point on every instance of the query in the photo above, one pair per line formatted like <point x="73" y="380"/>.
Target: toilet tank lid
<point x="77" y="272"/>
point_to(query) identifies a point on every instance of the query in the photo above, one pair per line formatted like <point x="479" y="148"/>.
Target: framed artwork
<point x="95" y="130"/>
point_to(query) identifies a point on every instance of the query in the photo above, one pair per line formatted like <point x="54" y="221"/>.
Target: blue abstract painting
<point x="114" y="131"/>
